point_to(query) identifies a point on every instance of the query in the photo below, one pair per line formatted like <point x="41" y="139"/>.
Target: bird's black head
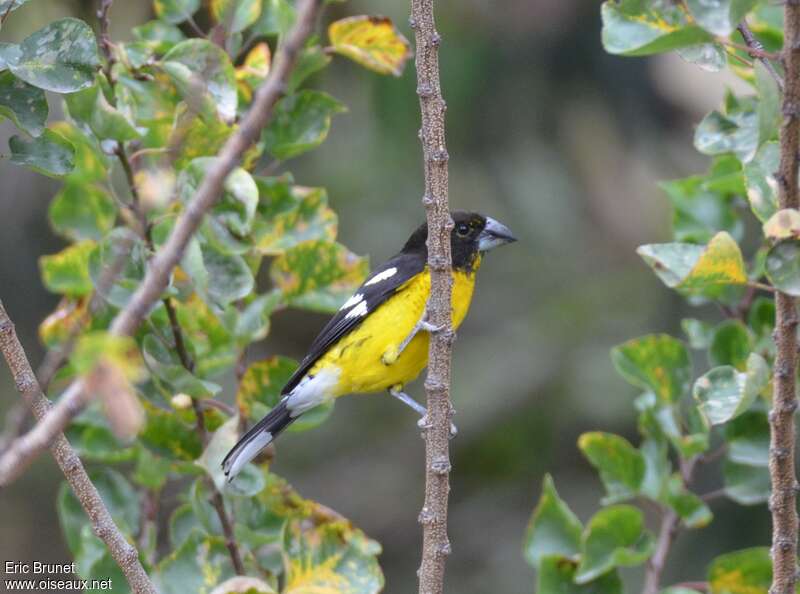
<point x="473" y="233"/>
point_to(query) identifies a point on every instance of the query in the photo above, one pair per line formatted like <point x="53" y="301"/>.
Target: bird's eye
<point x="462" y="229"/>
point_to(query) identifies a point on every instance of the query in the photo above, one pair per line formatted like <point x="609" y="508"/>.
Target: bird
<point x="378" y="340"/>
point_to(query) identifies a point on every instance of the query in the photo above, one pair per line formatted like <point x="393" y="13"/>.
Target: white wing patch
<point x="381" y="276"/>
<point x="358" y="311"/>
<point x="312" y="391"/>
<point x="354" y="300"/>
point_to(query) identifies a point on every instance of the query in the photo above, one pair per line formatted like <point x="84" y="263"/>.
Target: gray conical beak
<point x="494" y="234"/>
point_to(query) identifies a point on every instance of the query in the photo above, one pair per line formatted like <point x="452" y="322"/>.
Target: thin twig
<point x="125" y="554"/>
<point x="170" y="254"/>
<point x="670" y="524"/>
<point x="784" y="398"/>
<point x="105" y="39"/>
<point x="433" y="517"/>
<point x="756" y="50"/>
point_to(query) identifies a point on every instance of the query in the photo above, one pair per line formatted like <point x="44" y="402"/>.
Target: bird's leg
<point x="398" y="393"/>
<point x="392" y="354"/>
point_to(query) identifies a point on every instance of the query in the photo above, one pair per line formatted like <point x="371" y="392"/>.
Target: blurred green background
<point x="546" y="133"/>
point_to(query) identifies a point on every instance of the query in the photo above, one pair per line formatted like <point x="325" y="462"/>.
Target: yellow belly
<point x="360" y="354"/>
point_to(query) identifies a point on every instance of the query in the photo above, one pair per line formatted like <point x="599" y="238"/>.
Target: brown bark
<point x="784" y="400"/>
<point x="124" y="553"/>
<point x="433" y="517"/>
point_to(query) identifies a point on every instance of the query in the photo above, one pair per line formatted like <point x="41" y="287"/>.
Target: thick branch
<point x="168" y="256"/>
<point x="433" y="517"/>
<point x="784" y="399"/>
<point x="125" y="554"/>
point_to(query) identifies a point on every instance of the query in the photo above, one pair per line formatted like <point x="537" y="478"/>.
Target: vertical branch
<point x="784" y="400"/>
<point x="433" y="517"/>
<point x="125" y="554"/>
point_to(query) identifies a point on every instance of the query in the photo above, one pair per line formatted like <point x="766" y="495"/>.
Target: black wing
<point x="379" y="286"/>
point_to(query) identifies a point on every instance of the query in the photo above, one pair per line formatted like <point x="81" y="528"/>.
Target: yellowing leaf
<point x="783" y="224"/>
<point x="373" y="42"/>
<point x="694" y="267"/>
<point x="65" y="319"/>
<point x="67" y="272"/>
<point x="235" y="15"/>
<point x="253" y="70"/>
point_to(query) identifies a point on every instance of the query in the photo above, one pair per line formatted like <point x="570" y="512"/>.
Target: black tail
<point x="256" y="439"/>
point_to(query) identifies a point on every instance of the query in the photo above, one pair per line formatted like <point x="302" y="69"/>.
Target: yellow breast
<point x="360" y="354"/>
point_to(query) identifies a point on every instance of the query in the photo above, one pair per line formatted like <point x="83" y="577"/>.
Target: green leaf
<point x="553" y="529"/>
<point x="743" y="572"/>
<point x="311" y="60"/>
<point x="373" y="42"/>
<point x="769" y="104"/>
<point x="657" y="467"/>
<point x="120" y="246"/>
<point x="748" y="439"/>
<point x="290" y="215"/>
<point x="61" y="57"/>
<point x="277" y="17"/>
<point x="318" y="275"/>
<point x="200" y="563"/>
<point x="762" y="187"/>
<point x="230" y="279"/>
<point x="262" y="384"/>
<point x="725" y="393"/>
<point x="704" y="205"/>
<point x="621" y="465"/>
<point x="160" y="36"/>
<point x="693" y="267"/>
<point x="49" y="154"/>
<point x="720" y="17"/>
<point x="82" y="211"/>
<point x="118" y="495"/>
<point x="614" y="537"/>
<point x="235" y="15"/>
<point x="698" y="332"/>
<point x="151" y="471"/>
<point x="736" y="132"/>
<point x="711" y="57"/>
<point x="557" y="576"/>
<point x="163" y="362"/>
<point x="93" y="439"/>
<point x="745" y="484"/>
<point x="90" y="106"/>
<point x="223" y="439"/>
<point x="67" y="272"/>
<point x="204" y="76"/>
<point x="783" y="266"/>
<point x="632" y="28"/>
<point x="233" y="214"/>
<point x="300" y="123"/>
<point x="689" y="507"/>
<point x="175" y="11"/>
<point x="91" y="164"/>
<point x="24" y="104"/>
<point x="656" y="362"/>
<point x="167" y="435"/>
<point x="730" y="345"/>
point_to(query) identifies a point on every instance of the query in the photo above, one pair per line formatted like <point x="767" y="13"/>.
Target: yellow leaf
<point x="373" y="42"/>
<point x="253" y="70"/>
<point x="783" y="224"/>
<point x="720" y="263"/>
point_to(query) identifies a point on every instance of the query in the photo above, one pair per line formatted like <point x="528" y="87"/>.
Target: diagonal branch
<point x="23" y="450"/>
<point x="433" y="517"/>
<point x="756" y="50"/>
<point x="125" y="554"/>
<point x="783" y="504"/>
